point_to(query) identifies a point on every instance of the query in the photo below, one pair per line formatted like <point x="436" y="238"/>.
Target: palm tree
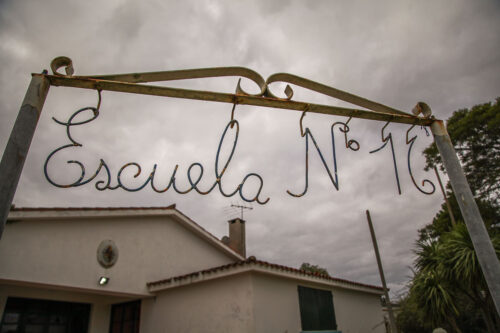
<point x="463" y="270"/>
<point x="448" y="270"/>
<point x="432" y="290"/>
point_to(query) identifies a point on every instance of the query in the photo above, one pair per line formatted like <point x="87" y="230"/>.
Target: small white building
<point x="153" y="269"/>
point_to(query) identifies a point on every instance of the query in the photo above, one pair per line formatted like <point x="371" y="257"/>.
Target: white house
<point x="152" y="269"/>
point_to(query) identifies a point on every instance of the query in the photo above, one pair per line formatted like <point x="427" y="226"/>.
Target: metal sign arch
<point x="20" y="139"/>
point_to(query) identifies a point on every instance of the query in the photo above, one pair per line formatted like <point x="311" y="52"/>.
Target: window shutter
<point x="316" y="309"/>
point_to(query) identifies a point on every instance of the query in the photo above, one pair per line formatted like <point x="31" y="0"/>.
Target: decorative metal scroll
<point x="264" y="85"/>
<point x="129" y="83"/>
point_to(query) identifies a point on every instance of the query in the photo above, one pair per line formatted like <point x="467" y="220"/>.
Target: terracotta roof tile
<point x="45" y="209"/>
<point x="253" y="260"/>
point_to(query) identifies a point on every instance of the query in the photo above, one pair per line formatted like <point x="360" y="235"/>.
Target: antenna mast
<point x="241" y="207"/>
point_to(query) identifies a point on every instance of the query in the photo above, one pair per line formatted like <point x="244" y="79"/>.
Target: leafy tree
<point x="436" y="298"/>
<point x="448" y="287"/>
<point x="411" y="318"/>
<point x="475" y="133"/>
<point x="462" y="268"/>
<point x="442" y="221"/>
<point x="315" y="269"/>
<point x="432" y="291"/>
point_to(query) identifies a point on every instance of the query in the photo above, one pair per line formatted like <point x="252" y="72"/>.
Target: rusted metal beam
<point x="252" y="75"/>
<point x="213" y="72"/>
<point x="96" y="84"/>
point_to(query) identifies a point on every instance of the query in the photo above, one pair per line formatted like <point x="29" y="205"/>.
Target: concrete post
<point x="480" y="239"/>
<point x="19" y="142"/>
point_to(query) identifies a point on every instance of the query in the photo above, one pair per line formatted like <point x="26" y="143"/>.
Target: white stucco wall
<point x="100" y="305"/>
<point x="63" y="252"/>
<point x="253" y="302"/>
<point x="358" y="312"/>
<point x="218" y="306"/>
<point x="276" y="306"/>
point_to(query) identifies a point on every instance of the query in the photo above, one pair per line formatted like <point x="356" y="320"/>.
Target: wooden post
<point x="392" y="319"/>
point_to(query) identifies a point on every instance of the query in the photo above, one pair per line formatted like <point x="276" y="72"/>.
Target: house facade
<point x="155" y="270"/>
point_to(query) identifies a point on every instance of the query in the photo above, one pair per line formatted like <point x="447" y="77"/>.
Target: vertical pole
<point x="392" y="320"/>
<point x="19" y="142"/>
<point x="452" y="217"/>
<point x="470" y="212"/>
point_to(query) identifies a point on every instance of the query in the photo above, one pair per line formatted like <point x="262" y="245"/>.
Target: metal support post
<point x="19" y="142"/>
<point x="392" y="319"/>
<point x="480" y="239"/>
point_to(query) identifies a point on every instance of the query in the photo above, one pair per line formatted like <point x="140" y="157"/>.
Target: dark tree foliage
<point x="442" y="221"/>
<point x="448" y="288"/>
<point x="315" y="269"/>
<point x="475" y="134"/>
<point x="411" y="318"/>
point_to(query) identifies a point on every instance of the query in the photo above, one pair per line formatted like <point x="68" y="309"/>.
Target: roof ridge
<point x="254" y="260"/>
<point x="30" y="209"/>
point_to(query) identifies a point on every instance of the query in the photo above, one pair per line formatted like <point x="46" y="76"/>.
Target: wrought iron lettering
<point x="425" y="181"/>
<point x="193" y="180"/>
<point x="350" y="144"/>
<point x="385" y="140"/>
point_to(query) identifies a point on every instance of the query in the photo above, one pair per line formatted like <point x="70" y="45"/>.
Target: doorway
<point x="125" y="317"/>
<point x="26" y="315"/>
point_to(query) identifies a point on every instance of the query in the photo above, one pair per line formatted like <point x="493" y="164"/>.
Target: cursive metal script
<point x="388" y="139"/>
<point x="194" y="181"/>
<point x="410" y="142"/>
<point x="195" y="171"/>
<point x="349" y="144"/>
<point x="355" y="146"/>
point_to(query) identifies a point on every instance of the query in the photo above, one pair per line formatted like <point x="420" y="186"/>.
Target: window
<point x="34" y="315"/>
<point x="125" y="317"/>
<point x="316" y="309"/>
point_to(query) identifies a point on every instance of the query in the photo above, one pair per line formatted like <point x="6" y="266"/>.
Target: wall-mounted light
<point x="103" y="280"/>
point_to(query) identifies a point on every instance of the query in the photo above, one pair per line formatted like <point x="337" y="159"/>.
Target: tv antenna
<point x="242" y="208"/>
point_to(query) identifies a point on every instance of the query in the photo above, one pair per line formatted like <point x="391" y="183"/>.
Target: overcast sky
<point x="446" y="53"/>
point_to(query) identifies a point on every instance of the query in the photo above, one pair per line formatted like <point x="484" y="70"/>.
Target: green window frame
<point x="316" y="310"/>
